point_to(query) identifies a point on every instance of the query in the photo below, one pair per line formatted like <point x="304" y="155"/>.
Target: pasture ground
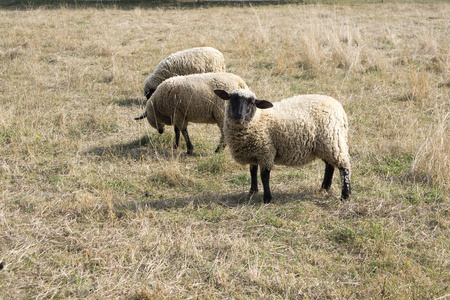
<point x="95" y="205"/>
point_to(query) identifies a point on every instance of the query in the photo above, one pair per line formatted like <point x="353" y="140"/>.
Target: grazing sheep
<point x="185" y="62"/>
<point x="183" y="99"/>
<point x="295" y="132"/>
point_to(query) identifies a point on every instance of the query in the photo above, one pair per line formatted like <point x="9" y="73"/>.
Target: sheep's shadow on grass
<point x="129" y="102"/>
<point x="146" y="146"/>
<point x="203" y="200"/>
<point x="231" y="200"/>
<point x="152" y="146"/>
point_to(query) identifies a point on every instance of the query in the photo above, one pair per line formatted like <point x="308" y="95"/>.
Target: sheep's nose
<point x="240" y="120"/>
<point x="161" y="131"/>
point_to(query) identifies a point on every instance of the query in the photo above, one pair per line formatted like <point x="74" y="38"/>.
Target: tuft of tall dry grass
<point x="432" y="160"/>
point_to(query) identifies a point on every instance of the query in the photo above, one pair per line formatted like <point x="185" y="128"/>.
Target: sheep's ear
<point x="222" y="94"/>
<point x="263" y="104"/>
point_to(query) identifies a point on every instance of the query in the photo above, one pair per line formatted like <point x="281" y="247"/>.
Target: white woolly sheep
<point x="183" y="99"/>
<point x="185" y="62"/>
<point x="295" y="132"/>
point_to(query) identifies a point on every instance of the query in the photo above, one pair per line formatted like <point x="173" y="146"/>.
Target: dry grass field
<point x="95" y="205"/>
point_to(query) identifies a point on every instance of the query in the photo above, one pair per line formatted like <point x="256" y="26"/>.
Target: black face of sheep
<point x="149" y="93"/>
<point x="242" y="109"/>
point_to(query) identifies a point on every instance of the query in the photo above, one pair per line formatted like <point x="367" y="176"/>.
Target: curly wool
<point x="191" y="98"/>
<point x="293" y="133"/>
<point x="189" y="61"/>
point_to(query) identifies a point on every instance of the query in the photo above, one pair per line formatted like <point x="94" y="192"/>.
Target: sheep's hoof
<point x="267" y="199"/>
<point x="190" y="152"/>
<point x="324" y="192"/>
<point x="251" y="194"/>
<point x="344" y="197"/>
<point x="219" y="148"/>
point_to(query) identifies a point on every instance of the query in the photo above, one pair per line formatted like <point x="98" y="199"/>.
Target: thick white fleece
<point x="191" y="98"/>
<point x="292" y="133"/>
<point x="189" y="61"/>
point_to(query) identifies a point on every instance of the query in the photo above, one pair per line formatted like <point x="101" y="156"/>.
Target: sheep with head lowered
<point x="292" y="132"/>
<point x="189" y="61"/>
<point x="183" y="99"/>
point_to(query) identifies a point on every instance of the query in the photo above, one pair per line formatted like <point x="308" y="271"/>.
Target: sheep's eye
<point x="250" y="106"/>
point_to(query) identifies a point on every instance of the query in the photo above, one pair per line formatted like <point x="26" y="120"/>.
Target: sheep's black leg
<point x="189" y="146"/>
<point x="328" y="177"/>
<point x="177" y="137"/>
<point x="345" y="182"/>
<point x="222" y="144"/>
<point x="265" y="177"/>
<point x="254" y="178"/>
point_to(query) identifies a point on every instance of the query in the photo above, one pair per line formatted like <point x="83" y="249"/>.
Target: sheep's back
<point x="196" y="60"/>
<point x="305" y="127"/>
<point x="190" y="61"/>
<point x="192" y="97"/>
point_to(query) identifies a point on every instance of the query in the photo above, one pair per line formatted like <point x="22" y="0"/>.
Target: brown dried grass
<point x="96" y="205"/>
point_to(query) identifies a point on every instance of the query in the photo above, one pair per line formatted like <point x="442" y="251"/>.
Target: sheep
<point x="294" y="132"/>
<point x="183" y="99"/>
<point x="185" y="62"/>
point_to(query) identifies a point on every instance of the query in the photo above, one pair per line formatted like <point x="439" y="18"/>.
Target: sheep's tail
<point x="144" y="115"/>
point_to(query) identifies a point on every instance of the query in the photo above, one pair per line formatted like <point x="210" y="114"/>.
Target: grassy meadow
<point x="96" y="205"/>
